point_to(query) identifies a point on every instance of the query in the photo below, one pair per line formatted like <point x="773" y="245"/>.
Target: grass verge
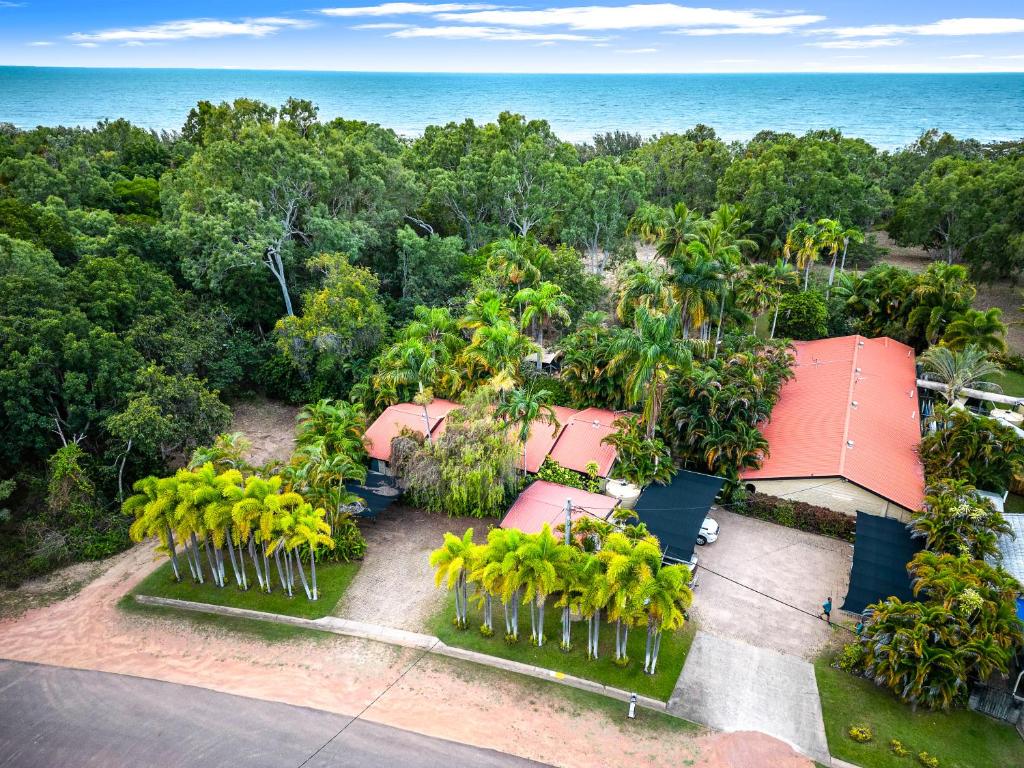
<point x="674" y="648"/>
<point x="332" y="580"/>
<point x="959" y="739"/>
<point x="1010" y="382"/>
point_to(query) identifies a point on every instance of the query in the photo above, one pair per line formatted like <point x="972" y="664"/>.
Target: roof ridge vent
<point x="849" y="443"/>
<point x="853" y="404"/>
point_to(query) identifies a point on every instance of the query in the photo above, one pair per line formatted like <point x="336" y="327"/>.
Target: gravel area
<point x="395" y="584"/>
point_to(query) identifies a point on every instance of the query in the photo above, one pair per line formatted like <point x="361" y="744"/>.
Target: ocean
<point x="888" y="110"/>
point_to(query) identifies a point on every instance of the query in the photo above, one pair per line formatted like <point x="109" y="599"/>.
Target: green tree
<point x="803" y="316"/>
<point x="968" y="368"/>
<point x="983" y="329"/>
<point x="956" y="521"/>
<point x="545" y="303"/>
<point x="452" y="562"/>
<point x="521" y="408"/>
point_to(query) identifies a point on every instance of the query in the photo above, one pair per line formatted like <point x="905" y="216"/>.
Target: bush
<point x="850" y="657"/>
<point x="928" y="761"/>
<point x="556" y="473"/>
<point x="860" y="733"/>
<point x="797" y="514"/>
<point x="897" y="748"/>
<point x="803" y="316"/>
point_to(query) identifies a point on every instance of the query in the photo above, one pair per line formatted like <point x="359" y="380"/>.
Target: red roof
<point x="850" y="411"/>
<point x="544" y="502"/>
<point x="543" y="437"/>
<point x="403" y="416"/>
<point x="580" y="441"/>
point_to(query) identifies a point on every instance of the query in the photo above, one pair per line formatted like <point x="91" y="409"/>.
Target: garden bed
<point x="674" y="647"/>
<point x="332" y="580"/>
<point x="959" y="739"/>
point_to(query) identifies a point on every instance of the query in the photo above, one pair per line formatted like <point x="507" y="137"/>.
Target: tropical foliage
<point x="973" y="449"/>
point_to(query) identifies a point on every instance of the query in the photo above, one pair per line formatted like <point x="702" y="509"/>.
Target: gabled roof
<point x="544" y="502"/>
<point x="851" y="410"/>
<point x="543" y="437"/>
<point x="580" y="441"/>
<point x="395" y="418"/>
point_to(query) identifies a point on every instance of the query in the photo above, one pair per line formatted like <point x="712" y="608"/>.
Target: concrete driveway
<point x="783" y="577"/>
<point x="53" y="716"/>
<point x="733" y="686"/>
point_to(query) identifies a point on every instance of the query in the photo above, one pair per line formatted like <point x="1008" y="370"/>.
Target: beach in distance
<point x="888" y="110"/>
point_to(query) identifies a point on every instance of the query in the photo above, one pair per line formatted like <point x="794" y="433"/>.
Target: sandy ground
<point x="268" y="425"/>
<point x="436" y="697"/>
<point x="395" y="583"/>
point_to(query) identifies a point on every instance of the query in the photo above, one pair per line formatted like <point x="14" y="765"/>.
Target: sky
<point x="522" y="36"/>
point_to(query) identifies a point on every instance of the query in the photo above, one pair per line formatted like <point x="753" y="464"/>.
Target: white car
<point x="708" y="531"/>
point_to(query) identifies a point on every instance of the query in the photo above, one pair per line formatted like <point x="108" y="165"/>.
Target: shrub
<point x="803" y="316"/>
<point x="897" y="748"/>
<point x="797" y="514"/>
<point x="928" y="761"/>
<point x="860" y="733"/>
<point x="850" y="657"/>
<point x="556" y="473"/>
<point x="486" y="631"/>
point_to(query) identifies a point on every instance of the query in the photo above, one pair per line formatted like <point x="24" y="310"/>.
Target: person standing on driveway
<point x="826" y="610"/>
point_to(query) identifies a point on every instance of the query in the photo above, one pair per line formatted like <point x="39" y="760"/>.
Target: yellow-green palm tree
<point x="803" y="246"/>
<point x="984" y="329"/>
<point x="301" y="526"/>
<point x="453" y="562"/>
<point x="666" y="597"/>
<point x="153" y="505"/>
<point x="541" y="561"/>
<point x="628" y="567"/>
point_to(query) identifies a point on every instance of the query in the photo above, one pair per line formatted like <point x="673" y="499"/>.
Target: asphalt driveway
<point x="53" y="716"/>
<point x="763" y="584"/>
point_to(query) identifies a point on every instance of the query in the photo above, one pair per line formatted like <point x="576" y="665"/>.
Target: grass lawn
<point x="332" y="579"/>
<point x="1011" y="383"/>
<point x="960" y="739"/>
<point x="630" y="678"/>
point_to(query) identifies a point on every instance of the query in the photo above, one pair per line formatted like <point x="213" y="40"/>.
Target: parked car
<point x="708" y="531"/>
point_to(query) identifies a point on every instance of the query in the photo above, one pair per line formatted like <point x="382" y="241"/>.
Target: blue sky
<point x="521" y="36"/>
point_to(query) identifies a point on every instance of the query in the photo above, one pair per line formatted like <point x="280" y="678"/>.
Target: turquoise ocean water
<point x="887" y="110"/>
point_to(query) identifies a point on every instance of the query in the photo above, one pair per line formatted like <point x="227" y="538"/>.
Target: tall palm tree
<point x="453" y="562"/>
<point x="803" y="246"/>
<point x="487" y="307"/>
<point x="758" y="291"/>
<point x="678" y="228"/>
<point x="984" y="329"/>
<point x="495" y="354"/>
<point x="652" y="353"/>
<point x="303" y="527"/>
<point x="958" y="370"/>
<point x="542" y="563"/>
<point x="227" y="452"/>
<point x="501" y="576"/>
<point x="941" y="293"/>
<point x="542" y="304"/>
<point x="697" y="282"/>
<point x="628" y="568"/>
<point x="783" y="275"/>
<point x="153" y="505"/>
<point x="833" y="237"/>
<point x="641" y="285"/>
<point x="517" y="261"/>
<point x="522" y="407"/>
<point x="667" y="595"/>
<point x="423" y="357"/>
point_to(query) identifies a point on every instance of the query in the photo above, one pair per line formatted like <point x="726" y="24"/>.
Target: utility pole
<point x="568" y="520"/>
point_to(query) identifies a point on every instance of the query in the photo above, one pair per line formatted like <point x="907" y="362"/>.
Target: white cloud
<point x="734" y="61"/>
<point x="8" y="4"/>
<point x="1012" y="56"/>
<point x="39" y="43"/>
<point x="640" y="16"/>
<point x="881" y="42"/>
<point x="404" y="9"/>
<point x="385" y="25"/>
<point x="636" y="50"/>
<point x="192" y="28"/>
<point x="942" y="28"/>
<point x="966" y="56"/>
<point x="88" y="45"/>
<point x="489" y="33"/>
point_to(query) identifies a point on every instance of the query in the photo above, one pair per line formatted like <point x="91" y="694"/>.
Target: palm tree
<point x="968" y="368"/>
<point x="666" y="597"/>
<point x="496" y="353"/>
<point x="217" y="516"/>
<point x="523" y="407"/>
<point x="424" y="357"/>
<point x="252" y="514"/>
<point x="984" y="329"/>
<point x="517" y="261"/>
<point x="453" y="561"/>
<point x="677" y="229"/>
<point x="697" y="285"/>
<point x="628" y="568"/>
<point x="758" y="291"/>
<point x="802" y="243"/>
<point x="500" y="574"/>
<point x="783" y="275"/>
<point x="227" y="452"/>
<point x="941" y="293"/>
<point x="832" y="237"/>
<point x="542" y="562"/>
<point x="641" y="285"/>
<point x="153" y="507"/>
<point x="546" y="302"/>
<point x="652" y="353"/>
<point x="487" y="307"/>
<point x="303" y="526"/>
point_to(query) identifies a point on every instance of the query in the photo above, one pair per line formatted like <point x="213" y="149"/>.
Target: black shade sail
<point x="377" y="493"/>
<point x="674" y="512"/>
<point x="881" y="551"/>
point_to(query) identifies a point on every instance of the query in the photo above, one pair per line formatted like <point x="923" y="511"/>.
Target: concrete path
<point x="733" y="686"/>
<point x="53" y="716"/>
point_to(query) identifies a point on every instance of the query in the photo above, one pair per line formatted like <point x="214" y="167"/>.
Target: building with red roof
<point x="543" y="437"/>
<point x="845" y="432"/>
<point x="396" y="418"/>
<point x="543" y="502"/>
<point x="580" y="442"/>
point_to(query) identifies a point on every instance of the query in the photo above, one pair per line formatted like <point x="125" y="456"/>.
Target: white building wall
<point x="835" y="493"/>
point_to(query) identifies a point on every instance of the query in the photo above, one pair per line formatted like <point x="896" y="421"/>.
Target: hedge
<point x="797" y="514"/>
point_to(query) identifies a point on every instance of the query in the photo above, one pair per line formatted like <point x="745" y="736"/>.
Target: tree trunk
<point x="302" y="576"/>
<point x="539" y="338"/>
<point x="508" y="618"/>
<point x="266" y="564"/>
<point x="807" y="273"/>
<point x="842" y="265"/>
<point x="172" y="553"/>
<point x="195" y="555"/>
<point x="241" y="563"/>
<point x="214" y="571"/>
<point x="831" y="277"/>
<point x="647" y="646"/>
<point x="657" y="650"/>
<point x="280" y="571"/>
<point x="775" y="318"/>
<point x="540" y="624"/>
<point x="276" y="266"/>
<point x="312" y="569"/>
<point x="255" y="562"/>
<point x="718" y="331"/>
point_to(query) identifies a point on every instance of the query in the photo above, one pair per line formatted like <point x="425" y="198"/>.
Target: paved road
<point x="733" y="686"/>
<point x="53" y="716"/>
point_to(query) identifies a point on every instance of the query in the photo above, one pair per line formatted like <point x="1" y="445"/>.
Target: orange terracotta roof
<point x="544" y="502"/>
<point x="395" y="418"/>
<point x="850" y="411"/>
<point x="580" y="441"/>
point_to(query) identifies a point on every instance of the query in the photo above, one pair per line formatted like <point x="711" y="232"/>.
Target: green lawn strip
<point x="1014" y="503"/>
<point x="332" y="581"/>
<point x="1010" y="382"/>
<point x="959" y="739"/>
<point x="263" y="630"/>
<point x="674" y="648"/>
